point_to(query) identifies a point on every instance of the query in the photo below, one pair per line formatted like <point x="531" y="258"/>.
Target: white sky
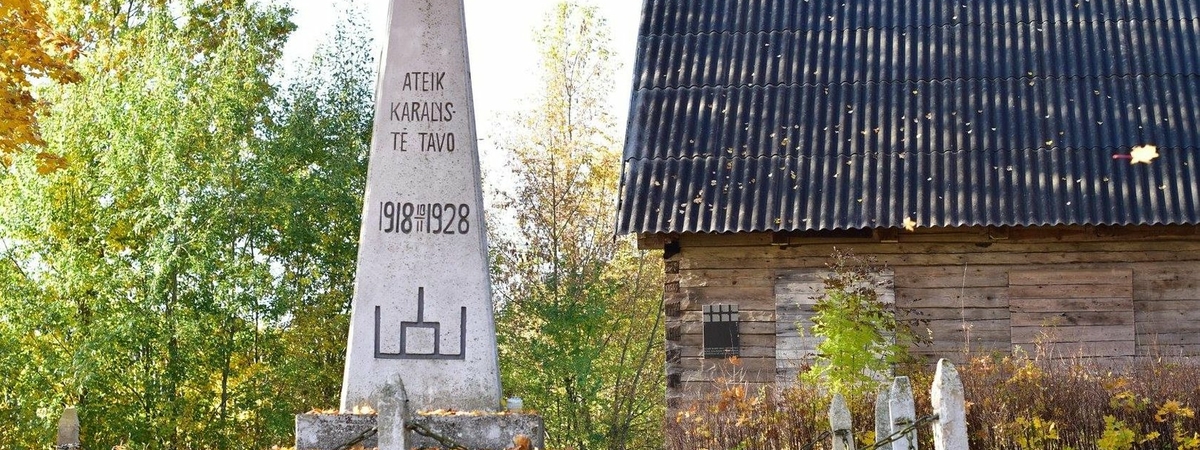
<point x="504" y="59"/>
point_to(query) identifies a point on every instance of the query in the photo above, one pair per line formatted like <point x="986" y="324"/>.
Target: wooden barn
<point x="1017" y="165"/>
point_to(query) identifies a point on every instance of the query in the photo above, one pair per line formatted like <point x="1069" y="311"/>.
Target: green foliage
<point x="1034" y="434"/>
<point x="579" y="320"/>
<point x="1117" y="436"/>
<point x="862" y="337"/>
<point x="179" y="280"/>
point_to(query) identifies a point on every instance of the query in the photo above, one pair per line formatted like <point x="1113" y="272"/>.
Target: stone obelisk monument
<point x="422" y="299"/>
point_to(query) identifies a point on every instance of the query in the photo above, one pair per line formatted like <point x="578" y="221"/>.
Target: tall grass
<point x="1014" y="402"/>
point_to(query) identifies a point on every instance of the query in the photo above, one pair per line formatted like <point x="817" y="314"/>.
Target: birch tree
<point x="579" y="323"/>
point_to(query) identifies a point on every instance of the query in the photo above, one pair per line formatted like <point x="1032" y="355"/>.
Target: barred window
<point x="720" y="331"/>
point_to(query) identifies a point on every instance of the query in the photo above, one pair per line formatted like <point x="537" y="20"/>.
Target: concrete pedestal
<point x="329" y="431"/>
<point x="485" y="432"/>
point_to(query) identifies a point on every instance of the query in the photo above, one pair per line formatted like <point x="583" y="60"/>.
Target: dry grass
<point x="1014" y="402"/>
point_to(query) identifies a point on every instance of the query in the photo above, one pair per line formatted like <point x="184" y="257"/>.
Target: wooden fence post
<point x="903" y="412"/>
<point x="883" y="418"/>
<point x="841" y="424"/>
<point x="949" y="403"/>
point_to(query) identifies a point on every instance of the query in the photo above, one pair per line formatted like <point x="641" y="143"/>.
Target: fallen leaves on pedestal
<point x="521" y="442"/>
<point x="476" y="413"/>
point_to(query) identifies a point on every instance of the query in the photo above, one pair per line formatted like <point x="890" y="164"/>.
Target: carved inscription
<point x="424" y="218"/>
<point x="424" y="122"/>
<point x="423" y="112"/>
<point x="433" y="330"/>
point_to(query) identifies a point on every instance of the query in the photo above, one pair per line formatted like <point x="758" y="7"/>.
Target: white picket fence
<point x="895" y="415"/>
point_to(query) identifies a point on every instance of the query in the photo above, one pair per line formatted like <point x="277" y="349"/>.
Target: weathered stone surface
<point x="949" y="403"/>
<point x="883" y="418"/>
<point x="903" y="412"/>
<point x="328" y="431"/>
<point x="841" y="424"/>
<point x="394" y="416"/>
<point x="489" y="432"/>
<point x="68" y="430"/>
<point x="422" y="302"/>
<point x="481" y="432"/>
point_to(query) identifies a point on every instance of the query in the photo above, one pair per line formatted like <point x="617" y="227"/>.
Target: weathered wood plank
<point x="979" y="326"/>
<point x="794" y="357"/>
<point x="1119" y="276"/>
<point x="696" y="341"/>
<point x="1169" y="338"/>
<point x="972" y="235"/>
<point x="804" y="345"/>
<point x="1189" y="315"/>
<point x="1052" y="305"/>
<point x="756" y="352"/>
<point x="1172" y="326"/>
<point x="744" y="328"/>
<point x="881" y="251"/>
<point x="1017" y="294"/>
<point x="1073" y="318"/>
<point x="968" y="314"/>
<point x="741" y="278"/>
<point x="1168" y="293"/>
<point x="747" y="258"/>
<point x="1080" y="349"/>
<point x="962" y="347"/>
<point x="722" y="368"/>
<point x="1001" y="247"/>
<point x="693" y="303"/>
<point x="1027" y="335"/>
<point x="743" y="316"/>
<point x="909" y="277"/>
<point x="971" y="297"/>
<point x="731" y="294"/>
<point x="1169" y="351"/>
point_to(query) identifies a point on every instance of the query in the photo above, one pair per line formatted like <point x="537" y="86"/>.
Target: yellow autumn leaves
<point x="29" y="51"/>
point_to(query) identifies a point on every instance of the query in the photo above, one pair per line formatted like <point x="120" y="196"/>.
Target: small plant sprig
<point x="863" y="338"/>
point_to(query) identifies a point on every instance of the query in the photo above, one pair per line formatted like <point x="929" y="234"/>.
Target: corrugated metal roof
<point x="762" y="115"/>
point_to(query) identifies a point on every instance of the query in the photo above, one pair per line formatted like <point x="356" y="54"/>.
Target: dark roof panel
<point x="978" y="115"/>
<point x="681" y="17"/>
<point x="759" y="115"/>
<point x="1051" y="187"/>
<point x="992" y="51"/>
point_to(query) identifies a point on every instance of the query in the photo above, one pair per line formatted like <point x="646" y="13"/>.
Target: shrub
<point x="862" y="337"/>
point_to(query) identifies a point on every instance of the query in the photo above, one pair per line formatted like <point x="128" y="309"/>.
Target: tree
<point x="579" y="323"/>
<point x="147" y="270"/>
<point x="170" y="277"/>
<point x="32" y="50"/>
<point x="318" y="145"/>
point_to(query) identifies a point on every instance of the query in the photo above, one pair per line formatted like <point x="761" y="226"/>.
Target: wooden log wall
<point x="956" y="280"/>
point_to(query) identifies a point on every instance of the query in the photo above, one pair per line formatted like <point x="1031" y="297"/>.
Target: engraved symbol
<point x="421" y="324"/>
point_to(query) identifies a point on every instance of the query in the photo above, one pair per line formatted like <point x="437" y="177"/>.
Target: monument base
<point x="475" y="432"/>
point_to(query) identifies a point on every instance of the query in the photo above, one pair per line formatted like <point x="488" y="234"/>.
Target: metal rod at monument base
<point x="422" y="300"/>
